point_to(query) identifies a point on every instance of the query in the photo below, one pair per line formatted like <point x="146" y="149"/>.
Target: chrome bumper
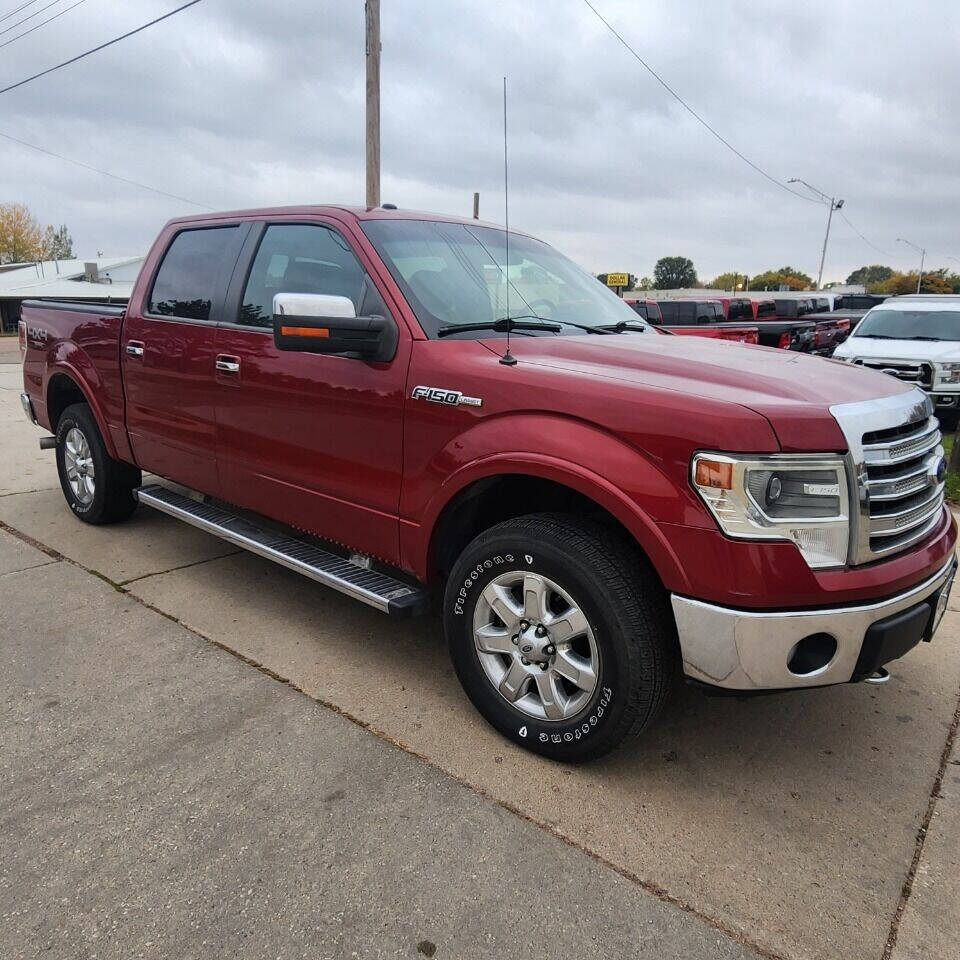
<point x="750" y="650"/>
<point x="28" y="407"/>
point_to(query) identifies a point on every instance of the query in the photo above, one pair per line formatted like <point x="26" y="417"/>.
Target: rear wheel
<point x="560" y="634"/>
<point x="97" y="488"/>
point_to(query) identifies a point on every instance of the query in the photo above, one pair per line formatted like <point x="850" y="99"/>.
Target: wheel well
<point x="494" y="499"/>
<point x="61" y="393"/>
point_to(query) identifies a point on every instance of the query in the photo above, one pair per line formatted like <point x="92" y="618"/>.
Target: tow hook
<point x="48" y="443"/>
<point x="881" y="676"/>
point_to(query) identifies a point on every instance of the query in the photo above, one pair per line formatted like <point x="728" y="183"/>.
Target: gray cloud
<point x="247" y="103"/>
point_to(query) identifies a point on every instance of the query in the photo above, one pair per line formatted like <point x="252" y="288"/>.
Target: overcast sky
<point x="248" y="102"/>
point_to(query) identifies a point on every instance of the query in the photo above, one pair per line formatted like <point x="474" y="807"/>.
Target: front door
<point x="311" y="440"/>
<point x="168" y="354"/>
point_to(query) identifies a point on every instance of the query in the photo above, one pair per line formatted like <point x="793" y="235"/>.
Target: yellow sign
<point x="618" y="279"/>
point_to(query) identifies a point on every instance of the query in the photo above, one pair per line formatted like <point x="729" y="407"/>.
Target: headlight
<point x="782" y="497"/>
<point x="948" y="373"/>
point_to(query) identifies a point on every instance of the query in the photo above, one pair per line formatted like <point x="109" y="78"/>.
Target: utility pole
<point x="923" y="255"/>
<point x="476" y="206"/>
<point x="834" y="205"/>
<point x="373" y="102"/>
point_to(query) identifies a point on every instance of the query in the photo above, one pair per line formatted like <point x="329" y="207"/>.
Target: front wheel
<point x="97" y="488"/>
<point x="561" y="635"/>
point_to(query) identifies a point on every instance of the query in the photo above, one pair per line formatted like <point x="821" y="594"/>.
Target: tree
<point x="673" y="273"/>
<point x="21" y="239"/>
<point x="57" y="244"/>
<point x="728" y="281"/>
<point x="876" y="273"/>
<point x="934" y="281"/>
<point x="644" y="283"/>
<point x="785" y="276"/>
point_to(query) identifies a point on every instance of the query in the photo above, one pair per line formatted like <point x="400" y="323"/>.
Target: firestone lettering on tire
<point x="584" y="728"/>
<point x="475" y="575"/>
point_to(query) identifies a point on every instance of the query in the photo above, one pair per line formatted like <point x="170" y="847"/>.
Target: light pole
<point x="923" y="254"/>
<point x="834" y="205"/>
<point x="373" y="102"/>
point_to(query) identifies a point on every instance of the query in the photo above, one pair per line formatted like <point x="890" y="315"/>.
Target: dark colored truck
<point x="599" y="509"/>
<point x="701" y="318"/>
<point x="772" y="330"/>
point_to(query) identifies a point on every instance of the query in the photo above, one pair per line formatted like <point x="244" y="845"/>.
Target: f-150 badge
<point x="452" y="398"/>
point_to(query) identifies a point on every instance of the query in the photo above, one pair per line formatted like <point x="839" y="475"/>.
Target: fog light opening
<point x="812" y="654"/>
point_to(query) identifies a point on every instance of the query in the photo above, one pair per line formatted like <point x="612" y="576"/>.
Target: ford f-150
<point x="396" y="403"/>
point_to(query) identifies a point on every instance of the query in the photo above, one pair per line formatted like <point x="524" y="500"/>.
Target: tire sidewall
<point x="574" y="739"/>
<point x="83" y="421"/>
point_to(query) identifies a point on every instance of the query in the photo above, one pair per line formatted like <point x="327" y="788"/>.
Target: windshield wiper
<point x="934" y="339"/>
<point x="878" y="336"/>
<point x="624" y="326"/>
<point x="586" y="326"/>
<point x="503" y="325"/>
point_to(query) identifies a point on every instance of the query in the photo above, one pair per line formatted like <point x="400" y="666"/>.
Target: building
<point x="103" y="280"/>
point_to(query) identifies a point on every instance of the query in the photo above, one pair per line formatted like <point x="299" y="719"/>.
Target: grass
<point x="953" y="476"/>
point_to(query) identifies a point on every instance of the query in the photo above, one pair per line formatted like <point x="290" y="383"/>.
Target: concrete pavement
<point x="790" y="822"/>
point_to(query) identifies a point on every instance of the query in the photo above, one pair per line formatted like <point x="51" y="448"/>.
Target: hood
<point x="946" y="351"/>
<point x="793" y="391"/>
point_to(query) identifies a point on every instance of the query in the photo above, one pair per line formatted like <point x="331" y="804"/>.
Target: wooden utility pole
<point x="373" y="102"/>
<point x="476" y="206"/>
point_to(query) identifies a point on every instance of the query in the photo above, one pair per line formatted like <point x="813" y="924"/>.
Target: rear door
<point x="311" y="440"/>
<point x="168" y="357"/>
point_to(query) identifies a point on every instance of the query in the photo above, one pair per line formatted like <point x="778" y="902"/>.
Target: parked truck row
<point x="400" y="405"/>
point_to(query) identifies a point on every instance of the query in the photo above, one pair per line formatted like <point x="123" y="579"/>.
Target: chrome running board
<point x="372" y="587"/>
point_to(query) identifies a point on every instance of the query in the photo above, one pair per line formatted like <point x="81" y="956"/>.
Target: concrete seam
<point x="182" y="566"/>
<point x="907" y="889"/>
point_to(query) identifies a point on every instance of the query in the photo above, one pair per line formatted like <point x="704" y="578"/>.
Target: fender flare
<point x="577" y="477"/>
<point x="64" y="367"/>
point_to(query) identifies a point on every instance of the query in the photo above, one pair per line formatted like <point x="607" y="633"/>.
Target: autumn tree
<point x="876" y="273"/>
<point x="21" y="239"/>
<point x="644" y="283"/>
<point x="785" y="276"/>
<point x="674" y="273"/>
<point x="898" y="284"/>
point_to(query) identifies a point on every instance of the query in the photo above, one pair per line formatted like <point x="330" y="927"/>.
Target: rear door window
<point x="193" y="264"/>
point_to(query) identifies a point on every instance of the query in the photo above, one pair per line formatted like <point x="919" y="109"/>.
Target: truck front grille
<point x="917" y="373"/>
<point x="895" y="464"/>
<point x="904" y="494"/>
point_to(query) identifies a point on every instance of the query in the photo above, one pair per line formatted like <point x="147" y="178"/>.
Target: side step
<point x="377" y="589"/>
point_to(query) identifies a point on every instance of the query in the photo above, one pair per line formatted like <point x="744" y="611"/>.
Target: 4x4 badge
<point x="452" y="398"/>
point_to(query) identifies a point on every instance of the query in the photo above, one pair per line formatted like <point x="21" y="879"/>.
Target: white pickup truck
<point x="916" y="339"/>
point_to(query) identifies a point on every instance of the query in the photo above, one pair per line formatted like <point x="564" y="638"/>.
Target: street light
<point x="834" y="205"/>
<point x="923" y="254"/>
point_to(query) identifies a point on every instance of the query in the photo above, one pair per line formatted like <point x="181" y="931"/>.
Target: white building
<point x="100" y="280"/>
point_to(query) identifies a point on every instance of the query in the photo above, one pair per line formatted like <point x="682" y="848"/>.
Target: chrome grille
<point x="904" y="496"/>
<point x="920" y="374"/>
<point x="895" y="457"/>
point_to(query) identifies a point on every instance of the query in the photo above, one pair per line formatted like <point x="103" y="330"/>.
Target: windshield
<point x="455" y="274"/>
<point x="910" y="324"/>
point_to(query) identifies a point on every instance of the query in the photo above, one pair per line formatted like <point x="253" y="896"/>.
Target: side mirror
<point x="322" y="323"/>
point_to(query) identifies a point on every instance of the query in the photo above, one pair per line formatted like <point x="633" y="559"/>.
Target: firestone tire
<point x="590" y="577"/>
<point x="97" y="488"/>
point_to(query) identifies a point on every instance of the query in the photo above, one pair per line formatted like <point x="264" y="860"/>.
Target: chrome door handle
<point x="228" y="364"/>
<point x="134" y="348"/>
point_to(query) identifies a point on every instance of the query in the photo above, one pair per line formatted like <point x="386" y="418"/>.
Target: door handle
<point x="135" y="348"/>
<point x="228" y="364"/>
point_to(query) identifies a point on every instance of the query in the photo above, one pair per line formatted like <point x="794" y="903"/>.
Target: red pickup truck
<point x="701" y="318"/>
<point x="601" y="509"/>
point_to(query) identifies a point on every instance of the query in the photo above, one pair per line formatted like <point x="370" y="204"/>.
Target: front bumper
<point x="27" y="405"/>
<point x="765" y="650"/>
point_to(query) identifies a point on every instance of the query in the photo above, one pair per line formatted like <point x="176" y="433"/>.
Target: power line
<point x="36" y="13"/>
<point x="663" y="83"/>
<point x="16" y="10"/>
<point x="894" y="256"/>
<point x="103" y="46"/>
<point x="40" y="24"/>
<point x="105" y="173"/>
